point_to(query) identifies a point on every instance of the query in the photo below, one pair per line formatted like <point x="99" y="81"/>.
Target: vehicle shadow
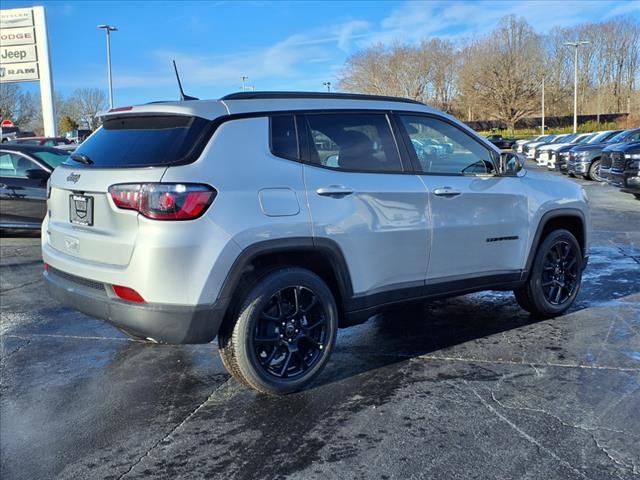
<point x="12" y="233"/>
<point x="418" y="329"/>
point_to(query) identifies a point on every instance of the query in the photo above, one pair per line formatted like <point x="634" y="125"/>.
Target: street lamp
<point x="328" y="85"/>
<point x="542" y="106"/>
<point x="244" y="80"/>
<point x="575" y="46"/>
<point x="109" y="29"/>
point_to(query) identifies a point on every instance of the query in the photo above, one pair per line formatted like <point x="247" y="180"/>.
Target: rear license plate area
<point x="81" y="210"/>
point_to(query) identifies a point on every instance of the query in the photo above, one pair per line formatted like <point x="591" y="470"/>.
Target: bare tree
<point x="84" y="105"/>
<point x="509" y="71"/>
<point x="18" y="106"/>
<point x="499" y="76"/>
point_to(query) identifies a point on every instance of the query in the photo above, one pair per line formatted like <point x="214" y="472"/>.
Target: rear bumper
<point x="160" y="322"/>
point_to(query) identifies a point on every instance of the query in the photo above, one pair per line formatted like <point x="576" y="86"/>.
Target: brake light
<point x="126" y="293"/>
<point x="164" y="201"/>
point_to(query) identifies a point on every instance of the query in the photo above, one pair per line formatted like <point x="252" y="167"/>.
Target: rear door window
<point x="353" y="141"/>
<point x="144" y="141"/>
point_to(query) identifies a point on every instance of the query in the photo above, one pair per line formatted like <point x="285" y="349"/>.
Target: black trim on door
<point x="358" y="308"/>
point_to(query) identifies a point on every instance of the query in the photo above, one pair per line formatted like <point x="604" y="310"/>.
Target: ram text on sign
<point x="17" y="17"/>
<point x="18" y="54"/>
<point x="20" y="72"/>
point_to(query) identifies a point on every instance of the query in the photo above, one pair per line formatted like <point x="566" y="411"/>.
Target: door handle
<point x="447" y="192"/>
<point x="334" y="191"/>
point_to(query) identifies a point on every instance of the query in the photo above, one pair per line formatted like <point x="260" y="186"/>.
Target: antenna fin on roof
<point x="183" y="97"/>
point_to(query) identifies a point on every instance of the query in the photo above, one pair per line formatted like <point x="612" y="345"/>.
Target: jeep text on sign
<point x="18" y="54"/>
<point x="20" y="72"/>
<point x="17" y="36"/>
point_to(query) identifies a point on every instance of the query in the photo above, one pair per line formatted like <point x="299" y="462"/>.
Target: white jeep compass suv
<point x="270" y="219"/>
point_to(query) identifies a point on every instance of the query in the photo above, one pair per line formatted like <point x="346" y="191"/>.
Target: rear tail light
<point x="164" y="201"/>
<point x="126" y="293"/>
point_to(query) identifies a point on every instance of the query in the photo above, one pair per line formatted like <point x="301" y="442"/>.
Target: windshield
<point x="143" y="141"/>
<point x="53" y="159"/>
<point x="569" y="138"/>
<point x="584" y="139"/>
<point x="626" y="136"/>
<point x="600" y="137"/>
<point x="619" y="137"/>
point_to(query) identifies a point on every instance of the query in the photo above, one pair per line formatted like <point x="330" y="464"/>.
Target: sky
<point x="279" y="45"/>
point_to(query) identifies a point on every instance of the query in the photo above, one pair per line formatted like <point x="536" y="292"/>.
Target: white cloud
<point x="347" y="31"/>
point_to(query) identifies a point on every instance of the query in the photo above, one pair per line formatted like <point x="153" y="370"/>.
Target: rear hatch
<point x="128" y="149"/>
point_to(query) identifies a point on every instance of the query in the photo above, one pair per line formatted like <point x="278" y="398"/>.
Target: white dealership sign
<point x="24" y="55"/>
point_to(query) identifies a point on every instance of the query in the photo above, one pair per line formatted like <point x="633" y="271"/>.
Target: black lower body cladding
<point x="161" y="323"/>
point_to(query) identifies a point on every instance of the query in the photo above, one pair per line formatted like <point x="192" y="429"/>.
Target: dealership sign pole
<point x="24" y="56"/>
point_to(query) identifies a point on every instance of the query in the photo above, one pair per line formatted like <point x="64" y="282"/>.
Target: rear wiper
<point x="79" y="157"/>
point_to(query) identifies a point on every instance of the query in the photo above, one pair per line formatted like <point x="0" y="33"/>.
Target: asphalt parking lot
<point x="471" y="387"/>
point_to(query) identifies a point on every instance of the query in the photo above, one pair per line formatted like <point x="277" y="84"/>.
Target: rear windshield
<point x="143" y="141"/>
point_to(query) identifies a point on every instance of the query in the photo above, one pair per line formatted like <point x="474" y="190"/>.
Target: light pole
<point x="575" y="46"/>
<point x="244" y="79"/>
<point x="542" y="106"/>
<point x="328" y="85"/>
<point x="109" y="29"/>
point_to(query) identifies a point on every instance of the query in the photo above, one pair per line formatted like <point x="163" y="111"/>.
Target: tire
<point x="555" y="278"/>
<point x="594" y="172"/>
<point x="273" y="346"/>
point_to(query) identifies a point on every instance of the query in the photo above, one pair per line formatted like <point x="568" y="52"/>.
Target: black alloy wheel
<point x="290" y="333"/>
<point x="560" y="273"/>
<point x="283" y="331"/>
<point x="555" y="277"/>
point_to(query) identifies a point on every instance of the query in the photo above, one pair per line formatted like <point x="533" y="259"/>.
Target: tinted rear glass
<point x="143" y="141"/>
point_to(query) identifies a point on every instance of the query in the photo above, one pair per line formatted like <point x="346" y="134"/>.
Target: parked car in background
<point x="585" y="160"/>
<point x="11" y="133"/>
<point x="553" y="150"/>
<point x="72" y="147"/>
<point x="562" y="153"/>
<point x="529" y="149"/>
<point x="78" y="136"/>
<point x="606" y="159"/>
<point x="625" y="167"/>
<point x="519" y="145"/>
<point x="541" y="152"/>
<point x="501" y="142"/>
<point x="44" y="141"/>
<point x="533" y="150"/>
<point x="24" y="171"/>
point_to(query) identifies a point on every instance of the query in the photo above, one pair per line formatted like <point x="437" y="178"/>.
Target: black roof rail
<point x="323" y="95"/>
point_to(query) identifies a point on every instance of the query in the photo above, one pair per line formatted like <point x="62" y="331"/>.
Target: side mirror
<point x="510" y="163"/>
<point x="37" y="174"/>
